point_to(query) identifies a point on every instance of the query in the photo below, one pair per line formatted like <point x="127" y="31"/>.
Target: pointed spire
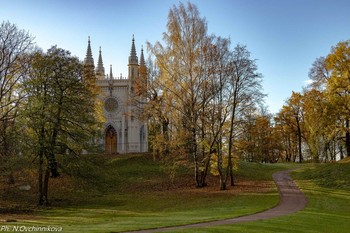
<point x="110" y="72"/>
<point x="100" y="69"/>
<point x="133" y="60"/>
<point x="142" y="58"/>
<point x="88" y="58"/>
<point x="142" y="88"/>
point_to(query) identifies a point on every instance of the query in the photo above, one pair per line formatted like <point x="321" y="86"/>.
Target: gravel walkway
<point x="291" y="200"/>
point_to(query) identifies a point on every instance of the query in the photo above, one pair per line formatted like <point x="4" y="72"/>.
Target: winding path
<point x="291" y="200"/>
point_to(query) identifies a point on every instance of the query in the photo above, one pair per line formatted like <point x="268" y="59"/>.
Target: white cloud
<point x="308" y="82"/>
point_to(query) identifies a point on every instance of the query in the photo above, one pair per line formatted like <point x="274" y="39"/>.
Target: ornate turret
<point x="142" y="59"/>
<point x="133" y="60"/>
<point x="100" y="70"/>
<point x="142" y="79"/>
<point x="88" y="58"/>
<point x="133" y="64"/>
<point x="142" y="67"/>
<point x="89" y="68"/>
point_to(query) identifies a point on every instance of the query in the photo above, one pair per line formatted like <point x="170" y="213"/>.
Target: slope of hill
<point x="129" y="192"/>
<point x="97" y="176"/>
<point x="345" y="160"/>
<point x="118" y="189"/>
<point x="330" y="175"/>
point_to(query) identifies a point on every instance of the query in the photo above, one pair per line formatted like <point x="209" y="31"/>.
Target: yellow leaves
<point x="322" y="110"/>
<point x="99" y="116"/>
<point x="338" y="86"/>
<point x="339" y="58"/>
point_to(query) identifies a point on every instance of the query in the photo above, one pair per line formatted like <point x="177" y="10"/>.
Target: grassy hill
<point x="129" y="192"/>
<point x="125" y="192"/>
<point x="345" y="160"/>
<point x="327" y="188"/>
<point x="330" y="175"/>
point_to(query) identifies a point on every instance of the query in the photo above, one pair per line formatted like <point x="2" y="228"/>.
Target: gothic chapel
<point x="123" y="131"/>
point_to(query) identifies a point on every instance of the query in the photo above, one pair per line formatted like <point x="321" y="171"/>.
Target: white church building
<point x="123" y="131"/>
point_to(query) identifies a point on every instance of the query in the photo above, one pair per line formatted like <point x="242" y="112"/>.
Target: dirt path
<point x="291" y="200"/>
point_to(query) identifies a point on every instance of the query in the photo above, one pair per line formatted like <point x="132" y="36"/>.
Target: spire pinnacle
<point x="110" y="72"/>
<point x="142" y="58"/>
<point x="100" y="69"/>
<point x="133" y="60"/>
<point x="88" y="58"/>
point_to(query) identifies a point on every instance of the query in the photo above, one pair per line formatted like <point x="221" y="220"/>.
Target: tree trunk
<point x="203" y="151"/>
<point x="229" y="162"/>
<point x="205" y="171"/>
<point x="295" y="153"/>
<point x="222" y="183"/>
<point x="220" y="166"/>
<point x="341" y="152"/>
<point x="221" y="174"/>
<point x="347" y="138"/>
<point x="229" y="171"/>
<point x="40" y="180"/>
<point x="165" y="129"/>
<point x="299" y="141"/>
<point x="197" y="173"/>
<point x="230" y="143"/>
<point x="46" y="187"/>
<point x="347" y="143"/>
<point x="41" y="199"/>
<point x="289" y="150"/>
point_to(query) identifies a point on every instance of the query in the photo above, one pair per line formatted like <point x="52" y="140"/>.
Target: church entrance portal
<point x="110" y="141"/>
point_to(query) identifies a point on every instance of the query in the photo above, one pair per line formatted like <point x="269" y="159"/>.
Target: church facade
<point x="123" y="130"/>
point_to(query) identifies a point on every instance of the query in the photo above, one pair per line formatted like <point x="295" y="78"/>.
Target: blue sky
<point x="284" y="36"/>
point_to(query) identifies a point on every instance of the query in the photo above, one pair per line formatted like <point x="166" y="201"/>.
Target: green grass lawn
<point x="132" y="192"/>
<point x="328" y="210"/>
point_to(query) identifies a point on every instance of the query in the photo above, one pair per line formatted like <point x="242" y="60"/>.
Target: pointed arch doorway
<point x="110" y="140"/>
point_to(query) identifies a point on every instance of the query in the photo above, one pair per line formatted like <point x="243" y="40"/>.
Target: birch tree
<point x="245" y="85"/>
<point x="180" y="62"/>
<point x="15" y="47"/>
